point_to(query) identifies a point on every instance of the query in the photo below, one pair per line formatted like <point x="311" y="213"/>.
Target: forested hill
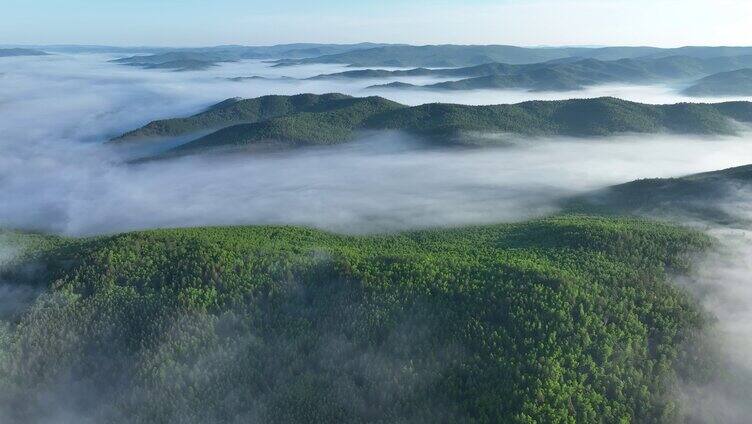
<point x="716" y="196"/>
<point x="236" y="111"/>
<point x="733" y="83"/>
<point x="569" y="319"/>
<point x="576" y="117"/>
<point x="332" y="119"/>
<point x="562" y="75"/>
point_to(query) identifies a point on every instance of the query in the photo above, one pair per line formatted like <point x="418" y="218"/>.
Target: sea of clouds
<point x="58" y="174"/>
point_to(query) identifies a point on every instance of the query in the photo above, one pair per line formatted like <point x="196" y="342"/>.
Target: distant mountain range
<point x="309" y="119"/>
<point x="444" y="56"/>
<point x="397" y="55"/>
<point x="86" y="48"/>
<point x="21" y="52"/>
<point x="203" y="58"/>
<point x="558" y="75"/>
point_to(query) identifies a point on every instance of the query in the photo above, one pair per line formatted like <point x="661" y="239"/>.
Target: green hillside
<point x="567" y="319"/>
<point x="709" y="196"/>
<point x="237" y="111"/>
<point x="336" y="124"/>
<point x="734" y="83"/>
<point x="449" y="123"/>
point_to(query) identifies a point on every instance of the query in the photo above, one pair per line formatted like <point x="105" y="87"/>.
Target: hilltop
<point x="563" y="319"/>
<point x="235" y="111"/>
<point x="335" y="122"/>
<point x="709" y="196"/>
<point x="335" y="118"/>
<point x="733" y="83"/>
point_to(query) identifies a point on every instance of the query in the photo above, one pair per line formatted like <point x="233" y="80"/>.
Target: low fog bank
<point x="58" y="175"/>
<point x="653" y="94"/>
<point x="385" y="181"/>
<point x="723" y="285"/>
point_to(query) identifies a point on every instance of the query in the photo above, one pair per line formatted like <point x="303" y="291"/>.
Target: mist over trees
<point x="292" y="325"/>
<point x="348" y="253"/>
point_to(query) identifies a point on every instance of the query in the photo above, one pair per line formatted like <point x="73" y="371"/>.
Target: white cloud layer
<point x="57" y="174"/>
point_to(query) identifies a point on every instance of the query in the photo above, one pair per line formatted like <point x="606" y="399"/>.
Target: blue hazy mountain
<point x="557" y="75"/>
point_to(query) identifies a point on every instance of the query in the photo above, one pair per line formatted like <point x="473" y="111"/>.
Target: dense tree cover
<point x="577" y="117"/>
<point x="563" y="74"/>
<point x="568" y="319"/>
<point x="334" y="125"/>
<point x="330" y="119"/>
<point x="237" y="111"/>
<point x="733" y="83"/>
<point x="708" y="196"/>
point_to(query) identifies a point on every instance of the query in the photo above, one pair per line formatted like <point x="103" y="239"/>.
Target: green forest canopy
<point x="568" y="319"/>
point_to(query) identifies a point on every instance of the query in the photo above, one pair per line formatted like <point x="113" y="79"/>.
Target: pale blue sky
<point x="521" y="22"/>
